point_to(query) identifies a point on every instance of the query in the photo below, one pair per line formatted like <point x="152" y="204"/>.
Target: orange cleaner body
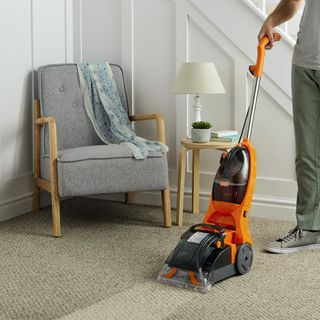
<point x="221" y="246"/>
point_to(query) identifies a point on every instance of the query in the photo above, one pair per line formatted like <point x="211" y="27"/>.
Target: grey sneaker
<point x="296" y="240"/>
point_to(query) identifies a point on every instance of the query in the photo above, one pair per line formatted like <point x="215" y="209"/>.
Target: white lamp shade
<point x="198" y="78"/>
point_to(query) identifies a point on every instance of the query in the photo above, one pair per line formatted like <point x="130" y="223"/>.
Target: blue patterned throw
<point x="104" y="108"/>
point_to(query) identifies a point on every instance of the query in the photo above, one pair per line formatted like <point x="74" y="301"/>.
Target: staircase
<point x="226" y="32"/>
<point x="288" y="29"/>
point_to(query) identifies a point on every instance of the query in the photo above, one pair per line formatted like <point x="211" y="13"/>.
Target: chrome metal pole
<point x="252" y="107"/>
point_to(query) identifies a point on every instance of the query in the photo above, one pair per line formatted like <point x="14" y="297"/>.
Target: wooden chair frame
<point x="52" y="185"/>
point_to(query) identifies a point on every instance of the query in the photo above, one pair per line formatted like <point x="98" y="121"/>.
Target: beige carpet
<point x="105" y="267"/>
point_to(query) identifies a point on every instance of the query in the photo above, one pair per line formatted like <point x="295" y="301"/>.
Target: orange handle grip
<point x="256" y="70"/>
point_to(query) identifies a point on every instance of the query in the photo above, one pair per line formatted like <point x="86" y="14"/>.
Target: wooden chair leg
<point x="36" y="158"/>
<point x="36" y="199"/>
<point x="55" y="199"/>
<point x="166" y="203"/>
<point x="55" y="204"/>
<point x="195" y="180"/>
<point x="129" y="198"/>
<point x="181" y="180"/>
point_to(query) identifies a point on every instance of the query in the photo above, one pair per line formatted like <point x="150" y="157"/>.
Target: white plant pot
<point x="200" y="135"/>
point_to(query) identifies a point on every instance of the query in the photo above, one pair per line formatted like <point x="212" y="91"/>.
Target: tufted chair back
<point x="61" y="98"/>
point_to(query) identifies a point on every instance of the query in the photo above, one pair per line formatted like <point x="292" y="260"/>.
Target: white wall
<point x="273" y="128"/>
<point x="150" y="39"/>
<point x="100" y="23"/>
<point x="15" y="97"/>
<point x="154" y="65"/>
<point x="34" y="32"/>
<point x="162" y="34"/>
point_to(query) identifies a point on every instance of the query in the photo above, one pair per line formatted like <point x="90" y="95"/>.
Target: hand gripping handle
<point x="256" y="70"/>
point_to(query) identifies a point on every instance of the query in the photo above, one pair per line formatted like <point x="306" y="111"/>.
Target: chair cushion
<point x="110" y="151"/>
<point x="61" y="98"/>
<point x="106" y="169"/>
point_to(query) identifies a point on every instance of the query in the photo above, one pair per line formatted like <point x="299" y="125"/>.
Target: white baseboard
<point x="20" y="205"/>
<point x="15" y="207"/>
<point x="263" y="207"/>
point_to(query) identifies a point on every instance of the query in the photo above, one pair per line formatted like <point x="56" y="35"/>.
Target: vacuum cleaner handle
<point x="256" y="70"/>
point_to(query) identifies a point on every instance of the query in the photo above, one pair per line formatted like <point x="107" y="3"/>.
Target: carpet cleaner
<point x="221" y="246"/>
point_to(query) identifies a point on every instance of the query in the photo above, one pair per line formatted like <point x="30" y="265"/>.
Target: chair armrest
<point x="153" y="116"/>
<point x="51" y="122"/>
<point x="44" y="120"/>
<point x="39" y="121"/>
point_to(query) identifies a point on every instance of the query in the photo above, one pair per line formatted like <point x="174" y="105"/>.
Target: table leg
<point x="181" y="179"/>
<point x="195" y="180"/>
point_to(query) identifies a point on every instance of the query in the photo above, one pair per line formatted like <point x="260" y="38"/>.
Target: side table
<point x="188" y="145"/>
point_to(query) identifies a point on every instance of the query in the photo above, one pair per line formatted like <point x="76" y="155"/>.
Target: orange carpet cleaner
<point x="221" y="246"/>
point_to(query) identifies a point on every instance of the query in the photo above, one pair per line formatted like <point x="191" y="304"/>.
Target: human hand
<point x="267" y="30"/>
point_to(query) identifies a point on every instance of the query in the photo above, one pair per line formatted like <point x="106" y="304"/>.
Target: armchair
<point x="71" y="160"/>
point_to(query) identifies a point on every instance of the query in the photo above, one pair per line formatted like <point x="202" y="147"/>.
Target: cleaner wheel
<point x="244" y="258"/>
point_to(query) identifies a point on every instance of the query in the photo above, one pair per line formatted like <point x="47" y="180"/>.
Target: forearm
<point x="285" y="10"/>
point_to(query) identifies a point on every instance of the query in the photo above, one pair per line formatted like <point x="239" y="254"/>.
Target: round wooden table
<point x="188" y="145"/>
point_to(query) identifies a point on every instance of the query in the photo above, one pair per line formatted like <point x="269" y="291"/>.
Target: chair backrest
<point x="61" y="98"/>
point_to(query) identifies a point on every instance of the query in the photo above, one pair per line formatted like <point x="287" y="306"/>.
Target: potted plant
<point x="201" y="131"/>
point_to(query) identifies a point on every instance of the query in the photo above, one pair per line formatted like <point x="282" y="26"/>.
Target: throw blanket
<point x="104" y="108"/>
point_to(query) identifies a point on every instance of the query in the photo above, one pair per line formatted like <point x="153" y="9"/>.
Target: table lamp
<point x="198" y="78"/>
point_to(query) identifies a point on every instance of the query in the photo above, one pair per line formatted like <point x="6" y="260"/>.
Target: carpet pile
<point x="106" y="263"/>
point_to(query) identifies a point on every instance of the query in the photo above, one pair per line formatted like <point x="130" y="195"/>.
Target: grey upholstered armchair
<point x="71" y="160"/>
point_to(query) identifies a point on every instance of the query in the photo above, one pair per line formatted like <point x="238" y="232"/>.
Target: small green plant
<point x="201" y="125"/>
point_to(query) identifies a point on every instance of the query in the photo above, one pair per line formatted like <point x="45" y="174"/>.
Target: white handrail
<point x="264" y="7"/>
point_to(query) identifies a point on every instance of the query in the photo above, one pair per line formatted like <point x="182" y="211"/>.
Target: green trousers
<point x="306" y="119"/>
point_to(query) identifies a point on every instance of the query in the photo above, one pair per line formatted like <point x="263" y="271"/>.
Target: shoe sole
<point x="293" y="250"/>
